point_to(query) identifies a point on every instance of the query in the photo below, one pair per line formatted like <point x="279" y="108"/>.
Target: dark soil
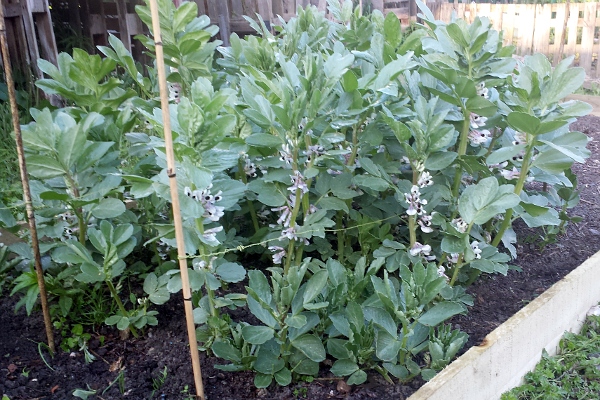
<point x="24" y="374"/>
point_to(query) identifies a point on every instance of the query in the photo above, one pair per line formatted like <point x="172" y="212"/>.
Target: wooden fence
<point x="28" y="23"/>
<point x="536" y="28"/>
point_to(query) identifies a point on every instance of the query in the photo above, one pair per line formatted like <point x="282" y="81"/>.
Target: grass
<point x="593" y="90"/>
<point x="574" y="373"/>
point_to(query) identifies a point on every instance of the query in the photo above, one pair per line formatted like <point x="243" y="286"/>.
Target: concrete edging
<point x="499" y="363"/>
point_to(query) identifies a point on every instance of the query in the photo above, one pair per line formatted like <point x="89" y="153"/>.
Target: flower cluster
<point x="285" y="154"/>
<point x="415" y="203"/>
<point x="208" y="200"/>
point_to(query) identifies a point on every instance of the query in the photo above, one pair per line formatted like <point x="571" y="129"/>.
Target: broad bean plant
<point x="341" y="180"/>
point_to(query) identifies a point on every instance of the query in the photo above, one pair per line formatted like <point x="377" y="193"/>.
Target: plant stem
<point x="242" y="175"/>
<point x="459" y="264"/>
<point x="209" y="292"/>
<point x="518" y="188"/>
<point x="462" y="150"/>
<point x="340" y="236"/>
<point x="115" y="295"/>
<point x="295" y="211"/>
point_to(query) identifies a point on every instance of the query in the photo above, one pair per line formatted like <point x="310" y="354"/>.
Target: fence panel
<point x="538" y="28"/>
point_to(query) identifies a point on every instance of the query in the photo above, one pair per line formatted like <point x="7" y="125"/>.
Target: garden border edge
<point x="506" y="354"/>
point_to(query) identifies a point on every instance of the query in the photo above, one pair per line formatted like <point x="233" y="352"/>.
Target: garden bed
<point x="142" y="362"/>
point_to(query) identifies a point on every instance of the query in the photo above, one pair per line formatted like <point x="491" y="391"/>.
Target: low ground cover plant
<point x="340" y="179"/>
<point x="574" y="373"/>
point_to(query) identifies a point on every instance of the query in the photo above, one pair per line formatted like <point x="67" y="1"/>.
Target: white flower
<point x="482" y="90"/>
<point x="478" y="137"/>
<point x="286" y="155"/>
<point x="174" y="90"/>
<point x="423" y="250"/>
<point x="476" y="249"/>
<point x="187" y="191"/>
<point x="497" y="166"/>
<point x="520" y="138"/>
<point x="477" y="121"/>
<point x="460" y="225"/>
<point x="425" y="223"/>
<point x="415" y="203"/>
<point x="279" y="253"/>
<point x="441" y="271"/>
<point x="210" y="235"/>
<point x="425" y="179"/>
<point x="452" y="258"/>
<point x="289" y="233"/>
<point x="298" y="183"/>
<point x="509" y="175"/>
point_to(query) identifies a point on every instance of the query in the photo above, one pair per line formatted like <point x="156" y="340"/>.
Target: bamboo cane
<point x="171" y="172"/>
<point x="25" y="181"/>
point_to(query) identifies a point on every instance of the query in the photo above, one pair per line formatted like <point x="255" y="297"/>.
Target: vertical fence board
<point x="496" y="16"/>
<point x="570" y="47"/>
<point x="541" y="33"/>
<point x="508" y="23"/>
<point x="587" y="36"/>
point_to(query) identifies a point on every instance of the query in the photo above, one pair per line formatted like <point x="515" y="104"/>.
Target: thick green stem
<point x="412" y="229"/>
<point x="242" y="175"/>
<point x="518" y="188"/>
<point x="463" y="140"/>
<point x="340" y="236"/>
<point x="115" y="295"/>
<point x="459" y="264"/>
<point x="295" y="211"/>
<point x="210" y="294"/>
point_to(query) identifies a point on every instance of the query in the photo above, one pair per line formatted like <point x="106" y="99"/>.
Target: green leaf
<point x="262" y="380"/>
<point x="268" y="362"/>
<point x="344" y="368"/>
<point x="552" y="161"/>
<point x="479" y="203"/>
<point x="481" y="106"/>
<point x="315" y="285"/>
<point x="283" y="377"/>
<point x="439" y="313"/>
<point x="504" y="153"/>
<point x="349" y="82"/>
<point x="108" y="208"/>
<point x="311" y="346"/>
<point x="257" y="334"/>
<point x="231" y="272"/>
<point x="387" y="346"/>
<point x="381" y="318"/>
<point x="227" y="351"/>
<point x="90" y="273"/>
<point x="523" y="122"/>
<point x="44" y="167"/>
<point x="357" y="378"/>
<point x="371" y="182"/>
<point x="440" y="160"/>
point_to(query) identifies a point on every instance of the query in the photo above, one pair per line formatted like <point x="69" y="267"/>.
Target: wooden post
<point x="171" y="172"/>
<point x="25" y="181"/>
<point x="265" y="9"/>
<point x="30" y="37"/>
<point x="224" y="22"/>
<point x="46" y="33"/>
<point x="123" y="27"/>
<point x="561" y="43"/>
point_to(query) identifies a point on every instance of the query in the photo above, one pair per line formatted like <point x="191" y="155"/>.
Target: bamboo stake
<point x="25" y="181"/>
<point x="171" y="172"/>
